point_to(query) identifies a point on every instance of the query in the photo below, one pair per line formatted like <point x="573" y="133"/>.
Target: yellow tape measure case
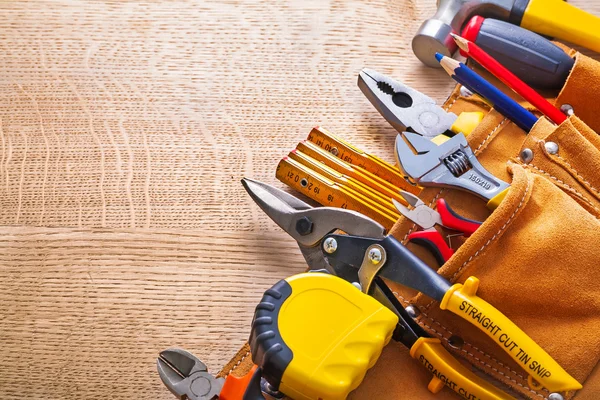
<point x="315" y="336"/>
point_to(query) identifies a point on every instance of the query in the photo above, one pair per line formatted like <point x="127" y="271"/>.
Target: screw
<point x="555" y="396"/>
<point x="375" y="256"/>
<point x="304" y="226"/>
<point x="567" y="109"/>
<point x="330" y="245"/>
<point x="551" y="147"/>
<point x="526" y="156"/>
<point x="412" y="311"/>
<point x="465" y="92"/>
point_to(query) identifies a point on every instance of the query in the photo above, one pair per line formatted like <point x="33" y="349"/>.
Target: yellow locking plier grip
<point x="403" y="267"/>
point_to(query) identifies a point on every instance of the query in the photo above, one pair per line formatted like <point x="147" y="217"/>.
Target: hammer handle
<point x="563" y="21"/>
<point x="533" y="58"/>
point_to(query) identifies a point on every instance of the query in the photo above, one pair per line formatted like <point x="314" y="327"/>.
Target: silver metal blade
<point x="404" y="107"/>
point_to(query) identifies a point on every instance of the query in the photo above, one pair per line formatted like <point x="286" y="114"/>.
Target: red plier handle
<point x="435" y="242"/>
<point x="454" y="221"/>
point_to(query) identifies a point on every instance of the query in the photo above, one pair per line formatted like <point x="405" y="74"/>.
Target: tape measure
<point x="376" y="198"/>
<point x="379" y="185"/>
<point x="329" y="193"/>
<point x="350" y="154"/>
<point x="314" y="336"/>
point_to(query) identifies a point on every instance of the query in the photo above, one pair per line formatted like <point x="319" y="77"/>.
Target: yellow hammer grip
<point x="447" y="371"/>
<point x="560" y="19"/>
<point x="462" y="300"/>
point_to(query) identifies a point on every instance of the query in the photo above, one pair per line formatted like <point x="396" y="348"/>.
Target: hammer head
<point x="434" y="35"/>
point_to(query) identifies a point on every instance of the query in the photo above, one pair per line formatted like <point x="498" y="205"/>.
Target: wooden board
<point x="125" y="128"/>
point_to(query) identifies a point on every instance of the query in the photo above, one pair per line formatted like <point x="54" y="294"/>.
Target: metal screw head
<point x="551" y="147"/>
<point x="567" y="109"/>
<point x="526" y="156"/>
<point x="375" y="256"/>
<point x="465" y="92"/>
<point x="304" y="226"/>
<point x="330" y="245"/>
<point x="412" y="311"/>
<point x="555" y="396"/>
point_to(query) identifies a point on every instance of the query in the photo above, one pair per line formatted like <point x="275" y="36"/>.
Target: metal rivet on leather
<point x="456" y="342"/>
<point x="526" y="156"/>
<point x="412" y="311"/>
<point x="555" y="396"/>
<point x="567" y="109"/>
<point x="464" y="92"/>
<point x="551" y="147"/>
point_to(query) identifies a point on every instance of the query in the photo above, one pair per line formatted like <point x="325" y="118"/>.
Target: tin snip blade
<point x="407" y="109"/>
<point x="365" y="253"/>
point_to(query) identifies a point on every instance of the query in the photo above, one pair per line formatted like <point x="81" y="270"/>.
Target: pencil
<point x="510" y="79"/>
<point x="477" y="84"/>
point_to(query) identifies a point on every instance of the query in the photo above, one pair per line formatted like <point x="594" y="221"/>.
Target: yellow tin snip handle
<point x="463" y="301"/>
<point x="562" y="20"/>
<point x="447" y="371"/>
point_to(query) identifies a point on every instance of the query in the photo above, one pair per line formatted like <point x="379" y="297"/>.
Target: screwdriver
<point x="533" y="58"/>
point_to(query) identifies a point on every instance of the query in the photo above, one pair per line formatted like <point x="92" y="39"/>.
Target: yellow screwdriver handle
<point x="561" y="20"/>
<point x="463" y="301"/>
<point x="448" y="371"/>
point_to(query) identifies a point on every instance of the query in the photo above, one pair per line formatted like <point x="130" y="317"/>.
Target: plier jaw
<point x="404" y="107"/>
<point x="186" y="376"/>
<point x="427" y="218"/>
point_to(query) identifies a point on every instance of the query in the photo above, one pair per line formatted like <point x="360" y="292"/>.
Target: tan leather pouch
<point x="536" y="255"/>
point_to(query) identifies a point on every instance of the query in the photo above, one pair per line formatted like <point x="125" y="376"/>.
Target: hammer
<point x="553" y="18"/>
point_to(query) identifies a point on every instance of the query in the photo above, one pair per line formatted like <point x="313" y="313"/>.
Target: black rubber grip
<point x="433" y="249"/>
<point x="518" y="11"/>
<point x="269" y="351"/>
<point x="534" y="59"/>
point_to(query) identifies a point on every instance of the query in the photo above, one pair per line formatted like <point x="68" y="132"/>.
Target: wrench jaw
<point x="428" y="155"/>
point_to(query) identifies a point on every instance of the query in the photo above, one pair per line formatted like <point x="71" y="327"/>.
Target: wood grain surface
<point x="125" y="128"/>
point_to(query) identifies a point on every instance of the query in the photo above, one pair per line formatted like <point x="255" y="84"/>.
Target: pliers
<point x="443" y="157"/>
<point x="187" y="377"/>
<point x="427" y="219"/>
<point x="407" y="109"/>
<point x="364" y="253"/>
